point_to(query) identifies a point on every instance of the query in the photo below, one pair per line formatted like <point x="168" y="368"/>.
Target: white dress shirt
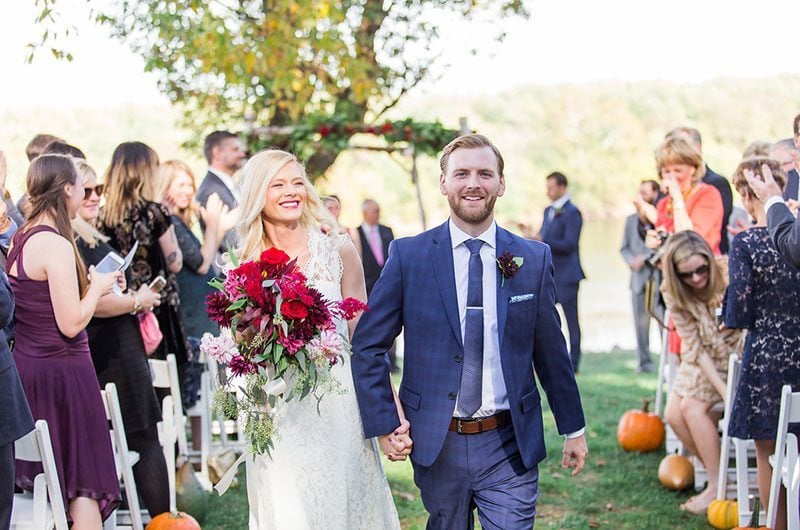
<point x="229" y="183"/>
<point x="494" y="396"/>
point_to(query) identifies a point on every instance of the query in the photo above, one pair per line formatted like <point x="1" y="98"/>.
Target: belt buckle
<point x="459" y="426"/>
<point x="480" y="424"/>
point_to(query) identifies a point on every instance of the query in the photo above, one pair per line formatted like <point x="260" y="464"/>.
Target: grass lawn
<point x="616" y="489"/>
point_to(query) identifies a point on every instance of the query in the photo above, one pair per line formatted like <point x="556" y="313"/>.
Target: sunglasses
<point x="700" y="271"/>
<point x="87" y="192"/>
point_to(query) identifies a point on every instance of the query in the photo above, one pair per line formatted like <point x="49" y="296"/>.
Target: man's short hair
<point x="559" y="177"/>
<point x="213" y="140"/>
<point x="63" y="148"/>
<point x="796" y="125"/>
<point x="654" y="185"/>
<point x="691" y="132"/>
<point x="470" y="141"/>
<point x="37" y="145"/>
<point x="366" y="203"/>
<point x="786" y="143"/>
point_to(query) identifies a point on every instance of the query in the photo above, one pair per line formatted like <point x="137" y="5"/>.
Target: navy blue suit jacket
<point x="562" y="233"/>
<point x="15" y="415"/>
<point x="784" y="229"/>
<point x="416" y="292"/>
<point x="792" y="185"/>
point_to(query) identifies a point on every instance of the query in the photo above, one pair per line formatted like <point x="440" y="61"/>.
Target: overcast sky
<point x="564" y="41"/>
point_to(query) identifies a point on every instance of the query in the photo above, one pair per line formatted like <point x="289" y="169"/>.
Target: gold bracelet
<point x="137" y="305"/>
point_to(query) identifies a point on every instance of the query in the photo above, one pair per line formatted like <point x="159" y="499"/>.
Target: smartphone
<point x="158" y="284"/>
<point x="112" y="262"/>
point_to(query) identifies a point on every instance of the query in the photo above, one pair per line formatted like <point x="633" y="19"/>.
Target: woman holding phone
<point x="119" y="355"/>
<point x="130" y="215"/>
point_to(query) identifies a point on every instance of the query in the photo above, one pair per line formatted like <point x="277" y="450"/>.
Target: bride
<point x="321" y="473"/>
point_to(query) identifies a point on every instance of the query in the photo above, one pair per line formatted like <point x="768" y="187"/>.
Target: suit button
<point x="458" y="358"/>
<point x="451" y="396"/>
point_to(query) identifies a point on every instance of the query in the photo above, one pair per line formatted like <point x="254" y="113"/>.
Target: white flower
<point x="221" y="348"/>
<point x="328" y="345"/>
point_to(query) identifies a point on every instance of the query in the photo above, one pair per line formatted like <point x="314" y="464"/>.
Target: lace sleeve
<point x="739" y="303"/>
<point x="325" y="261"/>
<point x="189" y="245"/>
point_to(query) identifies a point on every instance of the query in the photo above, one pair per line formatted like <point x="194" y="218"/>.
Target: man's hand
<point x="765" y="189"/>
<point x="397" y="445"/>
<point x="574" y="454"/>
<point x="637" y="263"/>
<point x="793" y="205"/>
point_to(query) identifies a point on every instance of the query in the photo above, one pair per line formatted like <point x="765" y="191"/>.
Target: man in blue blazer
<point x="477" y="306"/>
<point x="561" y="229"/>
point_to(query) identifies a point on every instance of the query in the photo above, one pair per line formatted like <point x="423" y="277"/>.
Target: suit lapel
<point x="442" y="255"/>
<point x="505" y="243"/>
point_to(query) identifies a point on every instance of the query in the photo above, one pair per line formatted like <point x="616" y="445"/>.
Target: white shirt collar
<point x="368" y="228"/>
<point x="225" y="178"/>
<point x="560" y="202"/>
<point x="458" y="236"/>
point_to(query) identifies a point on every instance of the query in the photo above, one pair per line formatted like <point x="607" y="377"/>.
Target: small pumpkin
<point x="676" y="472"/>
<point x="753" y="518"/>
<point x="723" y="514"/>
<point x="173" y="521"/>
<point x="640" y="430"/>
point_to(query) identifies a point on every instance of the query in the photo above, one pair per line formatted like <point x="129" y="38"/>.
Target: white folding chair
<point x="743" y="479"/>
<point x="220" y="425"/>
<point x="667" y="366"/>
<point x="165" y="375"/>
<point x="785" y="463"/>
<point x="125" y="459"/>
<point x="44" y="509"/>
<point x="202" y="409"/>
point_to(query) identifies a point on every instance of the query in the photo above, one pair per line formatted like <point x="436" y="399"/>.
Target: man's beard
<point x="475" y="216"/>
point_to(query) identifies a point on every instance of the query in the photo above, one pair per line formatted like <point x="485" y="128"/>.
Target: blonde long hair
<point x="130" y="180"/>
<point x="682" y="246"/>
<point x="255" y="179"/>
<point x="169" y="171"/>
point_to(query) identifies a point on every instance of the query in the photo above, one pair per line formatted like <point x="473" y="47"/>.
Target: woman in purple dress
<point x="55" y="301"/>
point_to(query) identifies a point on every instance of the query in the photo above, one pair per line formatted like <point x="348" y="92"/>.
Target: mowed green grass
<point x="616" y="489"/>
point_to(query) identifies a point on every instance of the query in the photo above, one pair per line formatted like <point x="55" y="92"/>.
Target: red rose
<point x="274" y="256"/>
<point x="386" y="127"/>
<point x="294" y="309"/>
<point x="324" y="131"/>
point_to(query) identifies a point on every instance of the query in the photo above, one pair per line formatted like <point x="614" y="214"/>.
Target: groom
<point x="475" y="332"/>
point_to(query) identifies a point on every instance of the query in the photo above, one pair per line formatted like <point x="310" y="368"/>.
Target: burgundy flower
<point x="238" y="365"/>
<point x="217" y="307"/>
<point x="509" y="265"/>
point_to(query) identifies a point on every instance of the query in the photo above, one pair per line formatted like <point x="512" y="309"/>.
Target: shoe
<point x="646" y="369"/>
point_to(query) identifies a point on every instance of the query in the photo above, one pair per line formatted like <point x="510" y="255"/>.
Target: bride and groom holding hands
<point x="477" y="309"/>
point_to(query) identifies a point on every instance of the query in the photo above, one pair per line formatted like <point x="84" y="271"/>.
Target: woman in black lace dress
<point x="130" y="215"/>
<point x="764" y="297"/>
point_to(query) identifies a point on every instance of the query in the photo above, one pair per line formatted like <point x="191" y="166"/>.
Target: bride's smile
<point x="286" y="195"/>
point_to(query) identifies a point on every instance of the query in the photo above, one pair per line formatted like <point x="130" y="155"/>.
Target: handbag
<point x="151" y="332"/>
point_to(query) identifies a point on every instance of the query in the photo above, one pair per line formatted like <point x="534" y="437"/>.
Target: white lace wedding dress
<point x="322" y="473"/>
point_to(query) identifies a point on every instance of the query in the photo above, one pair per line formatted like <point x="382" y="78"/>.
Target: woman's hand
<point x="671" y="187"/>
<point x="148" y="298"/>
<point x="212" y="212"/>
<point x="227" y="221"/>
<point x="101" y="282"/>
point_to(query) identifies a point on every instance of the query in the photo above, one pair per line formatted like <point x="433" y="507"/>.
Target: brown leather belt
<point x="479" y="425"/>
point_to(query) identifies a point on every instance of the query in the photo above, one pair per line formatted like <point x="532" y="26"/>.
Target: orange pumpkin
<point x="639" y="430"/>
<point x="173" y="521"/>
<point x="676" y="472"/>
<point x="723" y="514"/>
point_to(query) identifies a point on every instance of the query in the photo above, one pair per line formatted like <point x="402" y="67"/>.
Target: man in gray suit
<point x="225" y="154"/>
<point x="636" y="253"/>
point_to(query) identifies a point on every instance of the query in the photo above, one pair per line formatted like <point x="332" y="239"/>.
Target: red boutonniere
<point x="509" y="265"/>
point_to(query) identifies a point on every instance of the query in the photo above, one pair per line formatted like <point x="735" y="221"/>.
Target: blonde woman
<point x="689" y="204"/>
<point x="130" y="215"/>
<point x="693" y="287"/>
<point x="322" y="473"/>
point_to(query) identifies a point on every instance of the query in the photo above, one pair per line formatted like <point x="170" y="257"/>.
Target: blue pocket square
<point x="520" y="298"/>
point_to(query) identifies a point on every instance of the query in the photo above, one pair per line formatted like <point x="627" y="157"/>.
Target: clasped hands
<point x="397" y="444"/>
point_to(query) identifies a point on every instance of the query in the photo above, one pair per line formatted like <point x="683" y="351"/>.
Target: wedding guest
<point x="763" y="297"/>
<point x="561" y="229"/>
<point x="15" y="420"/>
<point x="786" y="152"/>
<point x="225" y="153"/>
<point x="689" y="203"/>
<point x="130" y="214"/>
<point x="55" y="302"/>
<point x="693" y="287"/>
<point x="635" y="253"/>
<point x="10" y="208"/>
<point x="60" y="147"/>
<point x="692" y="135"/>
<point x="334" y="206"/>
<point x="37" y="144"/>
<point x="119" y="355"/>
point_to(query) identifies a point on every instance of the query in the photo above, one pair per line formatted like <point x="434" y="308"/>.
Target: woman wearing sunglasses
<point x="693" y="287"/>
<point x="119" y="355"/>
<point x="764" y="298"/>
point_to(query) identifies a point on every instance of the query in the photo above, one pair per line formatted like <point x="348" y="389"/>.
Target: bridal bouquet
<point x="278" y="339"/>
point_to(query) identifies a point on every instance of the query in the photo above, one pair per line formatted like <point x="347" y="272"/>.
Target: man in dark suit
<point x="692" y="135"/>
<point x="15" y="415"/>
<point x="225" y="154"/>
<point x="561" y="229"/>
<point x="374" y="239"/>
<point x="635" y="253"/>
<point x="788" y="154"/>
<point x="477" y="306"/>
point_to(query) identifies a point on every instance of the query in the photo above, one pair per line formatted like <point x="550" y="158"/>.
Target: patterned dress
<point x="764" y="297"/>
